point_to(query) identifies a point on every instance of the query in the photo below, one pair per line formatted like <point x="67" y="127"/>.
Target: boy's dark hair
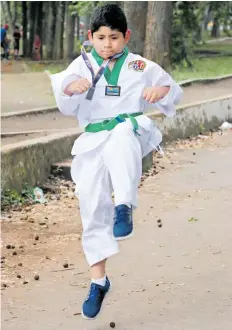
<point x="111" y="16"/>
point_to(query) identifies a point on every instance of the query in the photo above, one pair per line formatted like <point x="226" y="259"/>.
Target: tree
<point x="59" y="30"/>
<point x="3" y="12"/>
<point x="221" y="12"/>
<point x="25" y="23"/>
<point x="32" y="17"/>
<point x="39" y="23"/>
<point x="15" y="12"/>
<point x="51" y="28"/>
<point x="10" y="17"/>
<point x="63" y="8"/>
<point x="70" y="30"/>
<point x="136" y="13"/>
<point x="158" y="32"/>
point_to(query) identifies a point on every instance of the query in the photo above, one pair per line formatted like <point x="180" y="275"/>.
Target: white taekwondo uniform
<point x="111" y="161"/>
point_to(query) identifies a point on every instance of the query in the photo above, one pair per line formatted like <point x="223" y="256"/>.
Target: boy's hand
<point x="155" y="94"/>
<point x="78" y="86"/>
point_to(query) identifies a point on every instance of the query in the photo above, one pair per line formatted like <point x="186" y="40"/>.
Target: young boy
<point x="109" y="104"/>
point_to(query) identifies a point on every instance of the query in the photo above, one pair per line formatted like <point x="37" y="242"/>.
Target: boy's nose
<point x="107" y="43"/>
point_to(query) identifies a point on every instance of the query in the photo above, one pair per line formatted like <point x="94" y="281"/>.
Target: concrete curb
<point x="37" y="131"/>
<point x="30" y="161"/>
<point x="212" y="80"/>
<point x="199" y="124"/>
<point x="183" y="83"/>
<point x="35" y="112"/>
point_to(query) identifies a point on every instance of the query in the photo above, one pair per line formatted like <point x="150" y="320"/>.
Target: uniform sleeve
<point x="159" y="77"/>
<point x="68" y="105"/>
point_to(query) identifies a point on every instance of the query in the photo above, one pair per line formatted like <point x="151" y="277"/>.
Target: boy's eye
<point x="114" y="38"/>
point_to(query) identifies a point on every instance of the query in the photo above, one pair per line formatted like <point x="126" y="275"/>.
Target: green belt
<point x="108" y="125"/>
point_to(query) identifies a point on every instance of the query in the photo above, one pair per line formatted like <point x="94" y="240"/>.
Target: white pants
<point x="114" y="166"/>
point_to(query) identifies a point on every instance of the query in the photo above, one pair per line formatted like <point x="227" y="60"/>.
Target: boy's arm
<point x="67" y="104"/>
<point x="170" y="92"/>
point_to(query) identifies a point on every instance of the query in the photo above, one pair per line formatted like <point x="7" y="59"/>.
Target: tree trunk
<point x="78" y="27"/>
<point x="25" y="22"/>
<point x="11" y="22"/>
<point x="206" y="18"/>
<point x="70" y="29"/>
<point x="86" y="21"/>
<point x="32" y="17"/>
<point x="15" y="12"/>
<point x="39" y="23"/>
<point x="45" y="23"/>
<point x="56" y="47"/>
<point x="136" y="13"/>
<point x="51" y="29"/>
<point x="158" y="32"/>
<point x="59" y="29"/>
<point x="63" y="8"/>
<point x="3" y="12"/>
<point x="215" y="30"/>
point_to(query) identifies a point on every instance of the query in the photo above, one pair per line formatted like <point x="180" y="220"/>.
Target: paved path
<point x="56" y="121"/>
<point x="178" y="277"/>
<point x="33" y="90"/>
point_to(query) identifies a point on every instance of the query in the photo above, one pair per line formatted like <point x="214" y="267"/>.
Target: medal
<point x="95" y="78"/>
<point x="90" y="93"/>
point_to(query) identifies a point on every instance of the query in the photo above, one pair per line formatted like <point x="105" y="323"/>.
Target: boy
<point x="16" y="36"/>
<point x="109" y="104"/>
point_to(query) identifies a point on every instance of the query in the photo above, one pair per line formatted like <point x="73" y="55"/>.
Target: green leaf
<point x="192" y="219"/>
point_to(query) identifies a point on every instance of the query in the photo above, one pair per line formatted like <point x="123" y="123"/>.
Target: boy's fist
<point x="155" y="94"/>
<point x="78" y="86"/>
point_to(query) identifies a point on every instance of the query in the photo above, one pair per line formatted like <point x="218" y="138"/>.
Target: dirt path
<point x="175" y="277"/>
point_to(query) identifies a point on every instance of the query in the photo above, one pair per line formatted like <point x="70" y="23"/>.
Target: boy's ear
<point x="128" y="36"/>
<point x="90" y="36"/>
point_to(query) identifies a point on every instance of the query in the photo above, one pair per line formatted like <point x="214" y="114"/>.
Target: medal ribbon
<point x="95" y="78"/>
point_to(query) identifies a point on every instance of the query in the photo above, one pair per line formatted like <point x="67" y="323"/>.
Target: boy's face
<point x="108" y="42"/>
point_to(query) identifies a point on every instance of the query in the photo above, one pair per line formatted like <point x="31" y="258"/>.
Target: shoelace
<point x="120" y="214"/>
<point x="94" y="292"/>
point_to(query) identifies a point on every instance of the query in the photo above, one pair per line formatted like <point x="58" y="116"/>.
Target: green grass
<point x="207" y="35"/>
<point x="52" y="67"/>
<point x="220" y="46"/>
<point x="204" y="68"/>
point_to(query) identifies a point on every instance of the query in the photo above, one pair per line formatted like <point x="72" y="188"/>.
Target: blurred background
<point x="167" y="32"/>
<point x="190" y="39"/>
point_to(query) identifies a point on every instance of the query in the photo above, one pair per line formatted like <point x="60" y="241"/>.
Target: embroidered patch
<point x="137" y="65"/>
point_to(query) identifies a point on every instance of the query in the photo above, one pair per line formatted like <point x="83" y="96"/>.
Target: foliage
<point x="190" y="19"/>
<point x="11" y="198"/>
<point x="203" y="68"/>
<point x="184" y="22"/>
<point x="87" y="7"/>
<point x="84" y="7"/>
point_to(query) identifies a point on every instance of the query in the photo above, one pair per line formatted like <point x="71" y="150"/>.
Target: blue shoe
<point x="123" y="223"/>
<point x="93" y="303"/>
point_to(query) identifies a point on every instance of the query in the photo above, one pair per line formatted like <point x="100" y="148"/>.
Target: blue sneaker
<point x="93" y="303"/>
<point x="123" y="223"/>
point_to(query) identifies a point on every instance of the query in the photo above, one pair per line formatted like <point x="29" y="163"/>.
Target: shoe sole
<point x="93" y="318"/>
<point x="123" y="238"/>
